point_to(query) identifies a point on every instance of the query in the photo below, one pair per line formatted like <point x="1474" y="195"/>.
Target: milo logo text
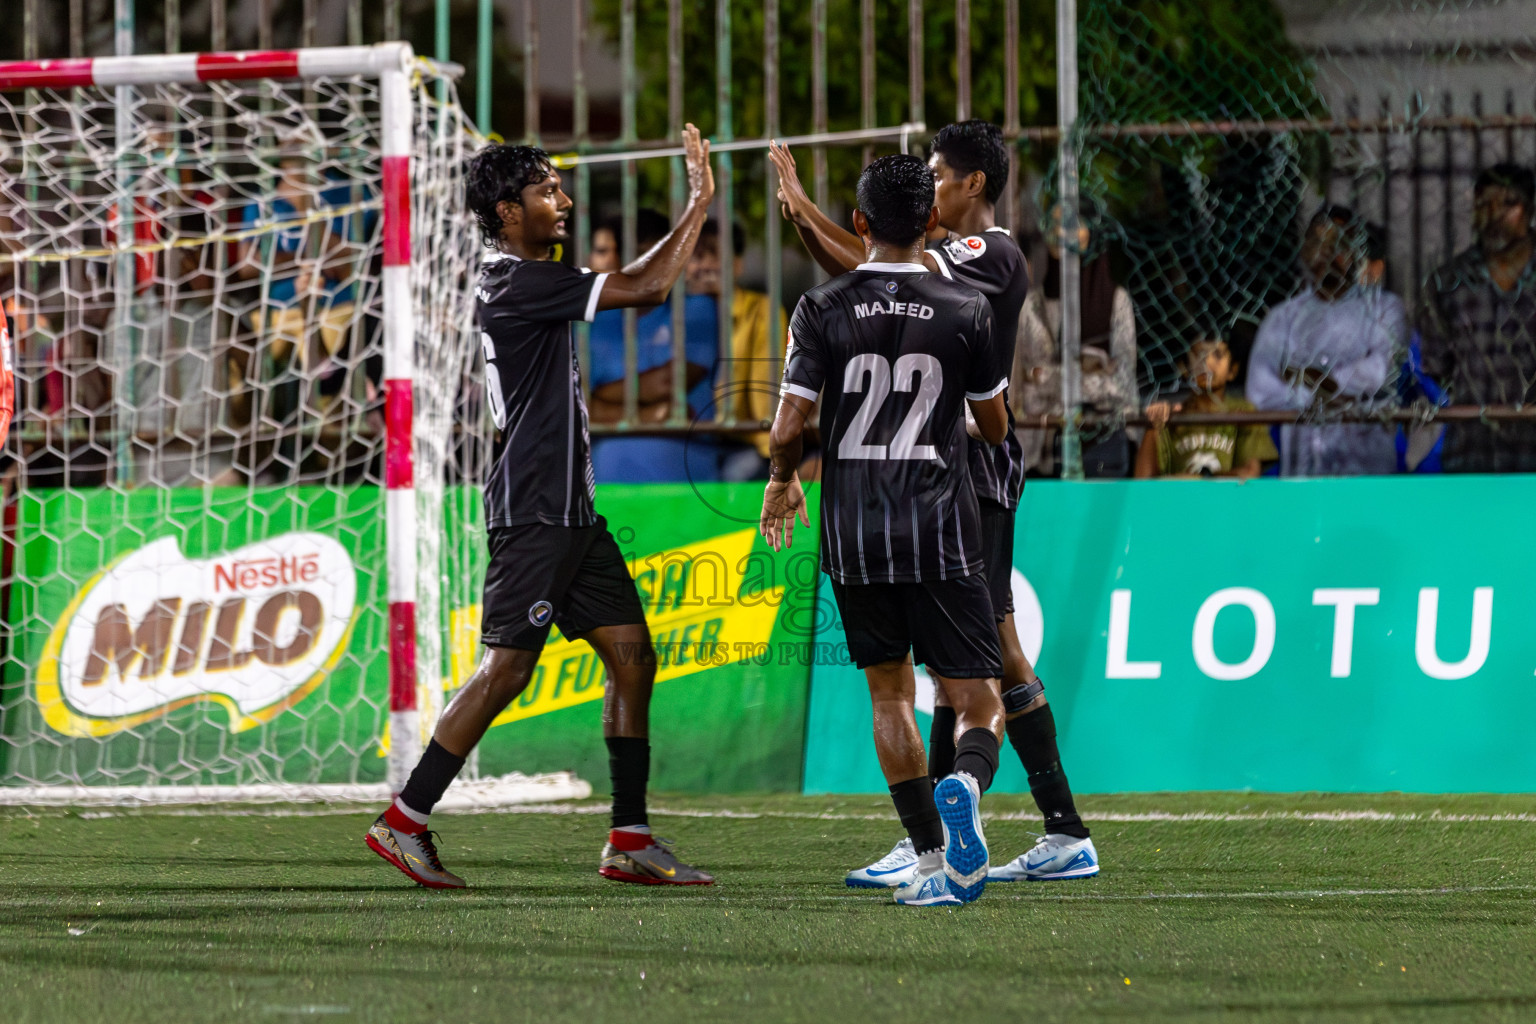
<point x="252" y="630"/>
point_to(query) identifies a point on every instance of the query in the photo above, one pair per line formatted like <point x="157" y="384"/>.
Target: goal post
<point x="243" y="286"/>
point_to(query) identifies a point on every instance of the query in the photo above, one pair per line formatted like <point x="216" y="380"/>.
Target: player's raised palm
<point x="796" y="204"/>
<point x="701" y="177"/>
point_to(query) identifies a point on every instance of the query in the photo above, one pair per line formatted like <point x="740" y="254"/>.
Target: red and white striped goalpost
<point x="390" y="63"/>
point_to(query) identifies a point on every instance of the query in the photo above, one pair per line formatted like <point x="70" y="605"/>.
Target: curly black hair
<point x="971" y="146"/>
<point x="895" y="194"/>
<point x="498" y="174"/>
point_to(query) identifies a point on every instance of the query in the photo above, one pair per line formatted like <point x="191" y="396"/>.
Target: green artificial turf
<point x="1252" y="913"/>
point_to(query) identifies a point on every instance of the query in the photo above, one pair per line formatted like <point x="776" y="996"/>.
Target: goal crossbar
<point x="191" y="68"/>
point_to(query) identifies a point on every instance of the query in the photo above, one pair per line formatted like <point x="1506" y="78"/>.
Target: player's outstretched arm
<point x="784" y="498"/>
<point x="647" y="281"/>
<point x="836" y="249"/>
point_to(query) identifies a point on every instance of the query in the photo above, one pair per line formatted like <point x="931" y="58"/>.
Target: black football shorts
<point x="947" y="625"/>
<point x="997" y="550"/>
<point x="571" y="576"/>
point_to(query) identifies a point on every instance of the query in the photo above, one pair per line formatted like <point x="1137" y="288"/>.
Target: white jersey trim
<point x="938" y="257"/>
<point x="982" y="396"/>
<point x="800" y="391"/>
<point x="895" y="268"/>
<point x="597" y="292"/>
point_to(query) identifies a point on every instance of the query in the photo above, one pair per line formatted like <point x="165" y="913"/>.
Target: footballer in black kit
<point x="895" y="351"/>
<point x="896" y="355"/>
<point x="969" y="162"/>
<point x="552" y="559"/>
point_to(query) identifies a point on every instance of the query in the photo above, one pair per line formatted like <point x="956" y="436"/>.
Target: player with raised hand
<point x="898" y="354"/>
<point x="552" y="559"/>
<point x="969" y="162"/>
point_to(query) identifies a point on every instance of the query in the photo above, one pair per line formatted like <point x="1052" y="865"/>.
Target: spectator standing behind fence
<point x="1335" y="347"/>
<point x="135" y="344"/>
<point x="1108" y="361"/>
<point x="1478" y="326"/>
<point x="305" y="261"/>
<point x="605" y="340"/>
<point x="641" y="458"/>
<point x="161" y="350"/>
<point x="1206" y="450"/>
<point x="1418" y="444"/>
<point x="747" y="387"/>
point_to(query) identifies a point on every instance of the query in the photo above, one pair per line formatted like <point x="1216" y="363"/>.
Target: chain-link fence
<point x="1342" y="194"/>
<point x="1209" y="136"/>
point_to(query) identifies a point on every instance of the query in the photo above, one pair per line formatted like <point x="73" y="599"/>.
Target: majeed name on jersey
<point x="864" y="309"/>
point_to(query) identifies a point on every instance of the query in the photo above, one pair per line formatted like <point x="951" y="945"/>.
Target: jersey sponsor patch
<point x="963" y="250"/>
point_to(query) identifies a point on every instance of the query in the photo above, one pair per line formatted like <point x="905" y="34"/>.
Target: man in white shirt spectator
<point x="1334" y="347"/>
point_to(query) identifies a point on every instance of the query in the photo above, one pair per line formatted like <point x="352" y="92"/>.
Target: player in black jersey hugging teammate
<point x="897" y="354"/>
<point x="552" y="559"/>
<point x="969" y="161"/>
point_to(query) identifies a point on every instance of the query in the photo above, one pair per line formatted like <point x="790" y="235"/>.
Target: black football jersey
<point x="894" y="350"/>
<point x="992" y="263"/>
<point x="541" y="471"/>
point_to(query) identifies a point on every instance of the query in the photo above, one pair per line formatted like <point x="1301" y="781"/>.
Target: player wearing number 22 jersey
<point x="897" y="354"/>
<point x="895" y="351"/>
<point x="970" y="166"/>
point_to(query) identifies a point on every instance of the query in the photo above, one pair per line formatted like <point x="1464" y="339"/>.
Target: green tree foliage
<point x="1037" y="76"/>
<point x="1203" y="226"/>
<point x="1205" y="223"/>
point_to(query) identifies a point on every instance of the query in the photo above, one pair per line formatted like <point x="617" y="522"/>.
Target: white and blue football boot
<point x="1055" y="857"/>
<point x="928" y="890"/>
<point x="965" y="845"/>
<point x="895" y="869"/>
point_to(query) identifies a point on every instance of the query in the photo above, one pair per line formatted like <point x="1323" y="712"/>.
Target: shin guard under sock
<point x="976" y="755"/>
<point x="1033" y="736"/>
<point x="919" y="814"/>
<point x="629" y="768"/>
<point x="428" y="782"/>
<point x="941" y="744"/>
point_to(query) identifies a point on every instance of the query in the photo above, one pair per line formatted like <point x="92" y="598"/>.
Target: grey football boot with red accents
<point x="413" y="853"/>
<point x="653" y="865"/>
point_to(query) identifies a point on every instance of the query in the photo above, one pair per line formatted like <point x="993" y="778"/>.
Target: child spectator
<point x="1195" y="451"/>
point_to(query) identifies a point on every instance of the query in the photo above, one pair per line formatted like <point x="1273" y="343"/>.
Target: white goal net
<point x="239" y="515"/>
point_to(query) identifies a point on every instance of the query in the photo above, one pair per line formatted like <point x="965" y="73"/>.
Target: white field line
<point x="1139" y="816"/>
<point x="834" y="893"/>
<point x="1429" y="817"/>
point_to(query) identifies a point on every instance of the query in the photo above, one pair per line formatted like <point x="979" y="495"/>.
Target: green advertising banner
<point x="731" y="621"/>
<point x="1311" y="635"/>
<point x="237" y="636"/>
<point x="184" y="636"/>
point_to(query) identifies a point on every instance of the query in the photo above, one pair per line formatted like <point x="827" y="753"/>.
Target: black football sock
<point x="629" y="766"/>
<point x="1033" y="735"/>
<point x="919" y="814"/>
<point x="430" y="779"/>
<point x="976" y="755"/>
<point x="941" y="744"/>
